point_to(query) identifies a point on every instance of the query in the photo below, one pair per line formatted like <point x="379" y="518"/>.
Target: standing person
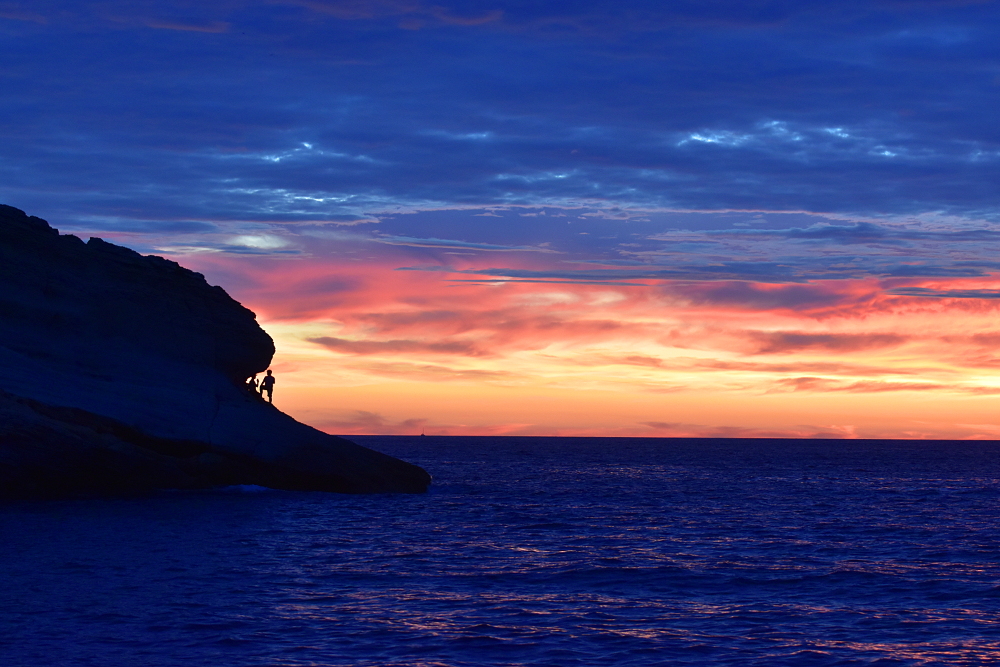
<point x="267" y="384"/>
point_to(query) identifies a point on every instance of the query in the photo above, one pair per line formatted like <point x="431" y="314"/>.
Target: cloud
<point x="236" y="248"/>
<point x="259" y="241"/>
<point x="641" y="360"/>
<point x="365" y="422"/>
<point x="418" y="319"/>
<point x="991" y="339"/>
<point x="354" y="10"/>
<point x="18" y="15"/>
<point x="827" y="368"/>
<point x="408" y="347"/>
<point x="677" y="429"/>
<point x="762" y="271"/>
<point x="946" y="293"/>
<point x="753" y="296"/>
<point x="872" y="386"/>
<point x="475" y="20"/>
<point x="425" y="372"/>
<point x="862" y="232"/>
<point x="530" y="326"/>
<point x="784" y="342"/>
<point x="462" y="245"/>
<point x="925" y="271"/>
<point x="170" y="227"/>
<point x="214" y="27"/>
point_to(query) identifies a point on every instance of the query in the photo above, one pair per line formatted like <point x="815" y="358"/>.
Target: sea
<point x="550" y="552"/>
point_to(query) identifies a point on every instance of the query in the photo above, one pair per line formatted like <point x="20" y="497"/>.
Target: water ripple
<point x="580" y="552"/>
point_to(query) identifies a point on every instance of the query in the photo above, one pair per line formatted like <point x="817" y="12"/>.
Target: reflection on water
<point x="532" y="552"/>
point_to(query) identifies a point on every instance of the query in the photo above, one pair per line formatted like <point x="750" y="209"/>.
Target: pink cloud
<point x="874" y="386"/>
<point x="804" y="298"/>
<point x="365" y="347"/>
<point x="783" y="342"/>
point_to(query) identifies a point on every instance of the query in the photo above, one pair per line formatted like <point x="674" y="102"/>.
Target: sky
<point x="712" y="218"/>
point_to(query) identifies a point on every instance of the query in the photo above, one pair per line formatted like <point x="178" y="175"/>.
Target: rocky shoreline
<point x="124" y="373"/>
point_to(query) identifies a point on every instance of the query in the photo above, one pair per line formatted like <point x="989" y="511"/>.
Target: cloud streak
<point x="458" y="245"/>
<point x="784" y="342"/>
<point x="406" y="347"/>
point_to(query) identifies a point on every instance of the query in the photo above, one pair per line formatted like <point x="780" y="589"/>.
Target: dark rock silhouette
<point x="123" y="372"/>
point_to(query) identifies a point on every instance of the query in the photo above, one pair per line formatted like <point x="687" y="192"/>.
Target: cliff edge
<point x="123" y="372"/>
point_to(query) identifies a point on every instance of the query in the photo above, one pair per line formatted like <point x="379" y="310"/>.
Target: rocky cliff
<point x="124" y="372"/>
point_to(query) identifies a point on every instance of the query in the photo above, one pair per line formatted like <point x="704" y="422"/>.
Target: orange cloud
<point x="867" y="386"/>
<point x="617" y="360"/>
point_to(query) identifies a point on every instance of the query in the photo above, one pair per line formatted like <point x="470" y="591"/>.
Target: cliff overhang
<point x="124" y="372"/>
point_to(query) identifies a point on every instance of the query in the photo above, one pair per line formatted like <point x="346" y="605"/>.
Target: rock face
<point x="123" y="372"/>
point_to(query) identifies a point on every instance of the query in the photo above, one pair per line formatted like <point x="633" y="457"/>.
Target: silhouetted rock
<point x="125" y="373"/>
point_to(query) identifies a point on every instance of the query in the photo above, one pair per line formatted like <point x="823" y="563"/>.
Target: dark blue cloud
<point x="695" y="246"/>
<point x="866" y="232"/>
<point x="325" y="110"/>
<point x="761" y="272"/>
<point x="144" y="226"/>
<point x="946" y="293"/>
<point x="455" y="245"/>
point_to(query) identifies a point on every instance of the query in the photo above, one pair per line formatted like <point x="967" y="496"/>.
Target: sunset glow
<point x="404" y="339"/>
<point x="549" y="218"/>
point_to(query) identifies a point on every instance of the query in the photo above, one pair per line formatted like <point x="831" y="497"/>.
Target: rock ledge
<point x="123" y="373"/>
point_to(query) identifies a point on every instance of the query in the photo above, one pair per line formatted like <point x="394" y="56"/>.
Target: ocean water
<point x="532" y="551"/>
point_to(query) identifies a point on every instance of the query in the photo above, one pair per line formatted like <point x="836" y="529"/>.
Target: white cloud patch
<point x="259" y="241"/>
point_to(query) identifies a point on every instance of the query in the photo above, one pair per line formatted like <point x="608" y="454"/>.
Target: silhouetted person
<point x="267" y="384"/>
<point x="252" y="384"/>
